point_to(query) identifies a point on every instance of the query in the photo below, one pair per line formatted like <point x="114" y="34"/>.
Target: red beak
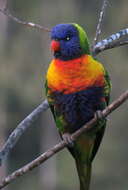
<point x="55" y="45"/>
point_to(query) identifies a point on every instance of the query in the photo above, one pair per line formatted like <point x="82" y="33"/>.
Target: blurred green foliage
<point x="24" y="58"/>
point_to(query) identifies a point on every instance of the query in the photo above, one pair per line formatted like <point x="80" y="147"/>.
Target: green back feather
<point x="83" y="39"/>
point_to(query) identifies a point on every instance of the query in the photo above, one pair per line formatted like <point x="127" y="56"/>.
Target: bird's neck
<point x="71" y="57"/>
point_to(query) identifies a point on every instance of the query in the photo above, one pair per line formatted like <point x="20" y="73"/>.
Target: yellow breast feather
<point x="75" y="75"/>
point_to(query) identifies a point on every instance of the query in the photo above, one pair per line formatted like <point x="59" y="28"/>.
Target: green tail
<point x="84" y="172"/>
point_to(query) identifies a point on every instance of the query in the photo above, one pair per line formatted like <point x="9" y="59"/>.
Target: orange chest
<point x="75" y="75"/>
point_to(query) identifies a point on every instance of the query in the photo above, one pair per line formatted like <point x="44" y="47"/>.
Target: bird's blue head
<point x="69" y="41"/>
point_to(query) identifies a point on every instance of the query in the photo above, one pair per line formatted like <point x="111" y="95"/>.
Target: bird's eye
<point x="67" y="38"/>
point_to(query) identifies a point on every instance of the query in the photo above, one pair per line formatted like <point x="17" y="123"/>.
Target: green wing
<point x="100" y="133"/>
<point x="58" y="117"/>
<point x="50" y="99"/>
<point x="107" y="88"/>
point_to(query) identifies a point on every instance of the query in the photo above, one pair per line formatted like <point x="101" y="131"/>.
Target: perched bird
<point x="77" y="86"/>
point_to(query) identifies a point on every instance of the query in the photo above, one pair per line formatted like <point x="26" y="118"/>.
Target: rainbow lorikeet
<point x="77" y="86"/>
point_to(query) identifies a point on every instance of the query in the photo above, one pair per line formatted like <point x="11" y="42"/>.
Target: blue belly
<point x="78" y="108"/>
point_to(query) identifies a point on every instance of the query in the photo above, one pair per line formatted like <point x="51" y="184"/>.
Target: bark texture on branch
<point x="111" y="42"/>
<point x="20" y="129"/>
<point x="28" y="24"/>
<point x="86" y="128"/>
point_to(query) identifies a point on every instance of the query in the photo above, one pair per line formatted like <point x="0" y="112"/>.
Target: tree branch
<point x="86" y="128"/>
<point x="20" y="129"/>
<point x="100" y="22"/>
<point x="29" y="24"/>
<point x="105" y="44"/>
<point x="111" y="42"/>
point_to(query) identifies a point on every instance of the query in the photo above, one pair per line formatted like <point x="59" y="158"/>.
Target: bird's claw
<point x="99" y="115"/>
<point x="101" y="120"/>
<point x="68" y="139"/>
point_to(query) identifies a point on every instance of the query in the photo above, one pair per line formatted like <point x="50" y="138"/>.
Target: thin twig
<point x="111" y="41"/>
<point x="100" y="22"/>
<point x="20" y="129"/>
<point x="29" y="24"/>
<point x="105" y="44"/>
<point x="86" y="128"/>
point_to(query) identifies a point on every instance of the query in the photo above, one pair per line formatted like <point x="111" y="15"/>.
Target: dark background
<point x="24" y="58"/>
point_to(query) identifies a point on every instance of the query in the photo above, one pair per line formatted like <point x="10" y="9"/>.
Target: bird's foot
<point x="99" y="115"/>
<point x="68" y="139"/>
